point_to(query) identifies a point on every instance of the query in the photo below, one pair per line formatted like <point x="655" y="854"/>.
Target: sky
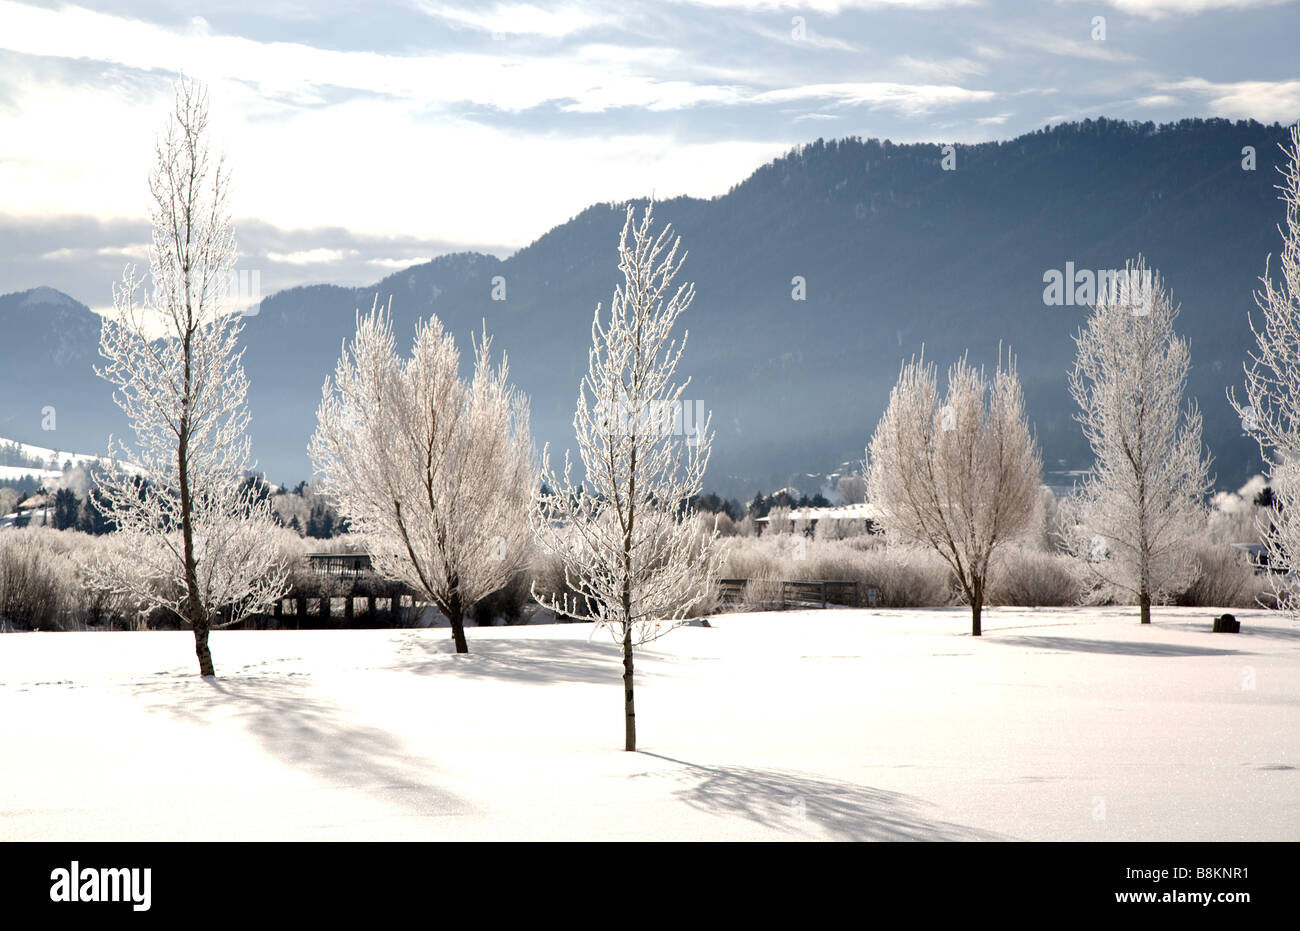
<point x="365" y="139"/>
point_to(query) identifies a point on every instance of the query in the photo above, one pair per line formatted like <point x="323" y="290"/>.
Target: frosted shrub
<point x="763" y="591"/>
<point x="827" y="530"/>
<point x="507" y="604"/>
<point x="778" y="521"/>
<point x="1224" y="579"/>
<point x="727" y="527"/>
<point x="1034" y="579"/>
<point x="906" y="577"/>
<point x="32" y="595"/>
<point x="40" y="583"/>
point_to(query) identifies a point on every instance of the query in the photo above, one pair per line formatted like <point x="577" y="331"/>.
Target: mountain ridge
<point x="893" y="251"/>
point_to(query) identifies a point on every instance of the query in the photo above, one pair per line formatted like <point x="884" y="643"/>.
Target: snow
<point x="861" y="511"/>
<point x="1058" y="724"/>
<point x="17" y="473"/>
<point x="46" y="455"/>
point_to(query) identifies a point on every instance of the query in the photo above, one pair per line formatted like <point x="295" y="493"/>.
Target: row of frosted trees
<point x="438" y="477"/>
<point x="958" y="472"/>
<point x="435" y="474"/>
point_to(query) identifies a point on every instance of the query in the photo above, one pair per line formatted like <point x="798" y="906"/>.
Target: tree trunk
<point x="976" y="608"/>
<point x="1144" y="602"/>
<point x="201" y="648"/>
<point x="456" y="614"/>
<point x="629" y="704"/>
<point x="194" y="607"/>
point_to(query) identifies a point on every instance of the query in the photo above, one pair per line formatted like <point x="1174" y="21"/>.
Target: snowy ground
<point x="869" y="725"/>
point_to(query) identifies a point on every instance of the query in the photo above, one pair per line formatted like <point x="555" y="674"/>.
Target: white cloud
<point x="1041" y="40"/>
<point x="311" y="256"/>
<point x="829" y="6"/>
<point x="1157" y="100"/>
<point x="514" y="19"/>
<point x="1267" y="101"/>
<point x="908" y="99"/>
<point x="426" y="172"/>
<point x="137" y="251"/>
<point x="502" y="80"/>
<point x="941" y="69"/>
<point x="401" y="263"/>
<point x="1160" y="9"/>
<point x="445" y="179"/>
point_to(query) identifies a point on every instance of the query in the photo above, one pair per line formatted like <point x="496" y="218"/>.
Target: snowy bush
<point x="842" y="529"/>
<point x="905" y="577"/>
<point x="43" y="585"/>
<point x="778" y="521"/>
<point x="36" y="585"/>
<point x="507" y="604"/>
<point x="548" y="580"/>
<point x="45" y="582"/>
<point x="1224" y="579"/>
<point x="726" y="526"/>
<point x="762" y="592"/>
<point x="1034" y="579"/>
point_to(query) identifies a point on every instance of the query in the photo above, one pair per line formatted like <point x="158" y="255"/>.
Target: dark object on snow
<point x="1226" y="624"/>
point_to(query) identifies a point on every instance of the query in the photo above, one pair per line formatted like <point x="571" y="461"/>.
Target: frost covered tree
<point x="198" y="540"/>
<point x="631" y="547"/>
<point x="1143" y="500"/>
<point x="435" y="474"/>
<point x="1271" y="408"/>
<point x="959" y="472"/>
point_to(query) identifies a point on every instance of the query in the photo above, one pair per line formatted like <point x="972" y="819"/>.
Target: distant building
<point x="843" y="512"/>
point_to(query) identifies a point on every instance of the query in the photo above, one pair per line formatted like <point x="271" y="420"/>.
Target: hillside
<point x="893" y="251"/>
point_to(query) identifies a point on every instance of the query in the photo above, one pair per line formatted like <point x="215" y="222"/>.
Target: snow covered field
<point x="1059" y="724"/>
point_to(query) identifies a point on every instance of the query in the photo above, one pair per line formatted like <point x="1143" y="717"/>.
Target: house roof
<point x="862" y="511"/>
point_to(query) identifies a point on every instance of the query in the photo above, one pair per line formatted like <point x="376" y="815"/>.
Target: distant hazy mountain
<point x="894" y="252"/>
<point x="49" y="344"/>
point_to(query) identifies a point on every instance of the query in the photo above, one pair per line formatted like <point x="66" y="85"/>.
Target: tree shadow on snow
<point x="540" y="661"/>
<point x="1114" y="647"/>
<point x="795" y="801"/>
<point x="311" y="735"/>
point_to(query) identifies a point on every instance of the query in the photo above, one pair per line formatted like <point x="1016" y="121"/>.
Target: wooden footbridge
<point x="339" y="590"/>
